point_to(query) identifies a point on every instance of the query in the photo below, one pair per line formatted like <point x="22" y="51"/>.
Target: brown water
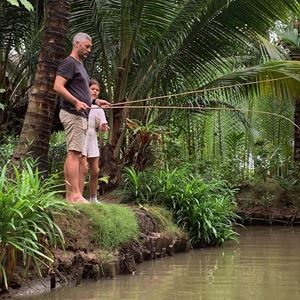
<point x="265" y="265"/>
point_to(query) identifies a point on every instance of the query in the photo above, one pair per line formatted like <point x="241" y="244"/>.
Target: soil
<point x="81" y="259"/>
<point x="269" y="204"/>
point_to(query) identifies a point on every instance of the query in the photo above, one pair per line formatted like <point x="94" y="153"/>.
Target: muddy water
<point x="265" y="265"/>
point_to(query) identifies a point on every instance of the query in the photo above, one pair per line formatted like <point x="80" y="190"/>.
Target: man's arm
<point x="60" y="89"/>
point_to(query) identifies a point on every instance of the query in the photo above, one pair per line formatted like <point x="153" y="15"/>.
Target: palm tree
<point x="149" y="48"/>
<point x="35" y="135"/>
<point x="289" y="38"/>
<point x="17" y="29"/>
<point x="146" y="48"/>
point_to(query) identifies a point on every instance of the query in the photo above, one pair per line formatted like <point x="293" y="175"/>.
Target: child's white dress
<point x="96" y="118"/>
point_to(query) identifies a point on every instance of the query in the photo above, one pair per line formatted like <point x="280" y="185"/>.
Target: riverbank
<point x="268" y="203"/>
<point x="86" y="255"/>
<point x="83" y="258"/>
<point x="263" y="265"/>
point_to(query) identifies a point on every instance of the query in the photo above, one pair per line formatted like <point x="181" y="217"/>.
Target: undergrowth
<point x="113" y="224"/>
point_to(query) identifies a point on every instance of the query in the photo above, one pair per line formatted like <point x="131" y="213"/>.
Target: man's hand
<point x="81" y="106"/>
<point x="102" y="103"/>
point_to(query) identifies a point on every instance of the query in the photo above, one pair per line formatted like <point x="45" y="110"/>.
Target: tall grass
<point x="57" y="154"/>
<point x="27" y="205"/>
<point x="113" y="225"/>
<point x="206" y="210"/>
<point x="7" y="146"/>
<point x="163" y="220"/>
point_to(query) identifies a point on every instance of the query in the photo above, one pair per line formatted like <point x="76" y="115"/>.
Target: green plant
<point x="142" y="138"/>
<point x="135" y="185"/>
<point x="205" y="210"/>
<point x="27" y="207"/>
<point x="266" y="200"/>
<point x="8" y="144"/>
<point x="113" y="225"/>
<point x="26" y="4"/>
<point x="57" y="153"/>
<point x="163" y="220"/>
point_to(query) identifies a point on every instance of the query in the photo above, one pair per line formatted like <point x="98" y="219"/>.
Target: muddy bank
<point x="268" y="204"/>
<point x="82" y="259"/>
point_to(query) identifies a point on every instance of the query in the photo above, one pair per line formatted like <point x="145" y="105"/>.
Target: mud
<point x="268" y="204"/>
<point x="81" y="259"/>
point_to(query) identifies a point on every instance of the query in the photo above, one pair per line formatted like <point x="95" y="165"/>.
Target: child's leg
<point x="94" y="172"/>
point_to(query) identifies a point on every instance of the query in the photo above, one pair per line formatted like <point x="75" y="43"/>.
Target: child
<point x="96" y="120"/>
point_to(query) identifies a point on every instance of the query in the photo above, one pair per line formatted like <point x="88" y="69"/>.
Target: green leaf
<point x="4" y="274"/>
<point x="27" y="5"/>
<point x="13" y="2"/>
<point x="104" y="179"/>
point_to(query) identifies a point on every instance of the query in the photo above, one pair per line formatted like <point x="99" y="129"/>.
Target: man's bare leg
<point x="67" y="183"/>
<point x="72" y="173"/>
<point x="83" y="171"/>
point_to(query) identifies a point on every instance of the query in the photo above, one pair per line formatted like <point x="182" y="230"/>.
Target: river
<point x="264" y="265"/>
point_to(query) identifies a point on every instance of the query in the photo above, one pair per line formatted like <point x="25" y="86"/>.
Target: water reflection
<point x="264" y="265"/>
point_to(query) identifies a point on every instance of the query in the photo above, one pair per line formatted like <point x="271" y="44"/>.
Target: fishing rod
<point x="123" y="105"/>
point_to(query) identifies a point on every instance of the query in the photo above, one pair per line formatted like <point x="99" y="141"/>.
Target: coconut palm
<point x="290" y="40"/>
<point x="35" y="135"/>
<point x="150" y="48"/>
<point x="17" y="29"/>
<point x="146" y="48"/>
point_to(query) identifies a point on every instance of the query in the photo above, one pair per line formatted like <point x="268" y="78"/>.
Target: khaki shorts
<point x="75" y="130"/>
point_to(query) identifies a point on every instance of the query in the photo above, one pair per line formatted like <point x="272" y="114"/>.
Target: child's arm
<point x="103" y="122"/>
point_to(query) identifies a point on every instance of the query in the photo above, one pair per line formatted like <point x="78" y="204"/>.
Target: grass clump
<point x="113" y="224"/>
<point x="27" y="207"/>
<point x="163" y="220"/>
<point x="105" y="256"/>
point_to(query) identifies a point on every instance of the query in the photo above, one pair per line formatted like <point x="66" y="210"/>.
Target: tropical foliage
<point x="194" y="83"/>
<point x="26" y="3"/>
<point x="153" y="48"/>
<point x="27" y="228"/>
<point x="157" y="48"/>
<point x="20" y="33"/>
<point x="206" y="210"/>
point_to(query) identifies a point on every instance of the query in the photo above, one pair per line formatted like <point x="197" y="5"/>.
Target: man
<point x="72" y="85"/>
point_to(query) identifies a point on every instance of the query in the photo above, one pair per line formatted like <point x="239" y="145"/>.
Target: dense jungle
<point x="204" y="124"/>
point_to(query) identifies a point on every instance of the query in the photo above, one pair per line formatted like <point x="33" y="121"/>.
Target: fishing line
<point x="208" y="108"/>
<point x="122" y="105"/>
<point x="201" y="90"/>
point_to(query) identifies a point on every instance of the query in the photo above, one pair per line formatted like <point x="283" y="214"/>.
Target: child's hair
<point x="94" y="81"/>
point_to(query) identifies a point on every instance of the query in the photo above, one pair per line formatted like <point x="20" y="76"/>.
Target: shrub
<point x="27" y="206"/>
<point x="7" y="147"/>
<point x="57" y="153"/>
<point x="206" y="210"/>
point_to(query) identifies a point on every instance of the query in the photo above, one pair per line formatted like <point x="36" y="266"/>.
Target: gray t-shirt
<point x="77" y="85"/>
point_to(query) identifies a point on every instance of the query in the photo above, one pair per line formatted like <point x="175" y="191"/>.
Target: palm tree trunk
<point x="297" y="131"/>
<point x="294" y="53"/>
<point x="37" y="127"/>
